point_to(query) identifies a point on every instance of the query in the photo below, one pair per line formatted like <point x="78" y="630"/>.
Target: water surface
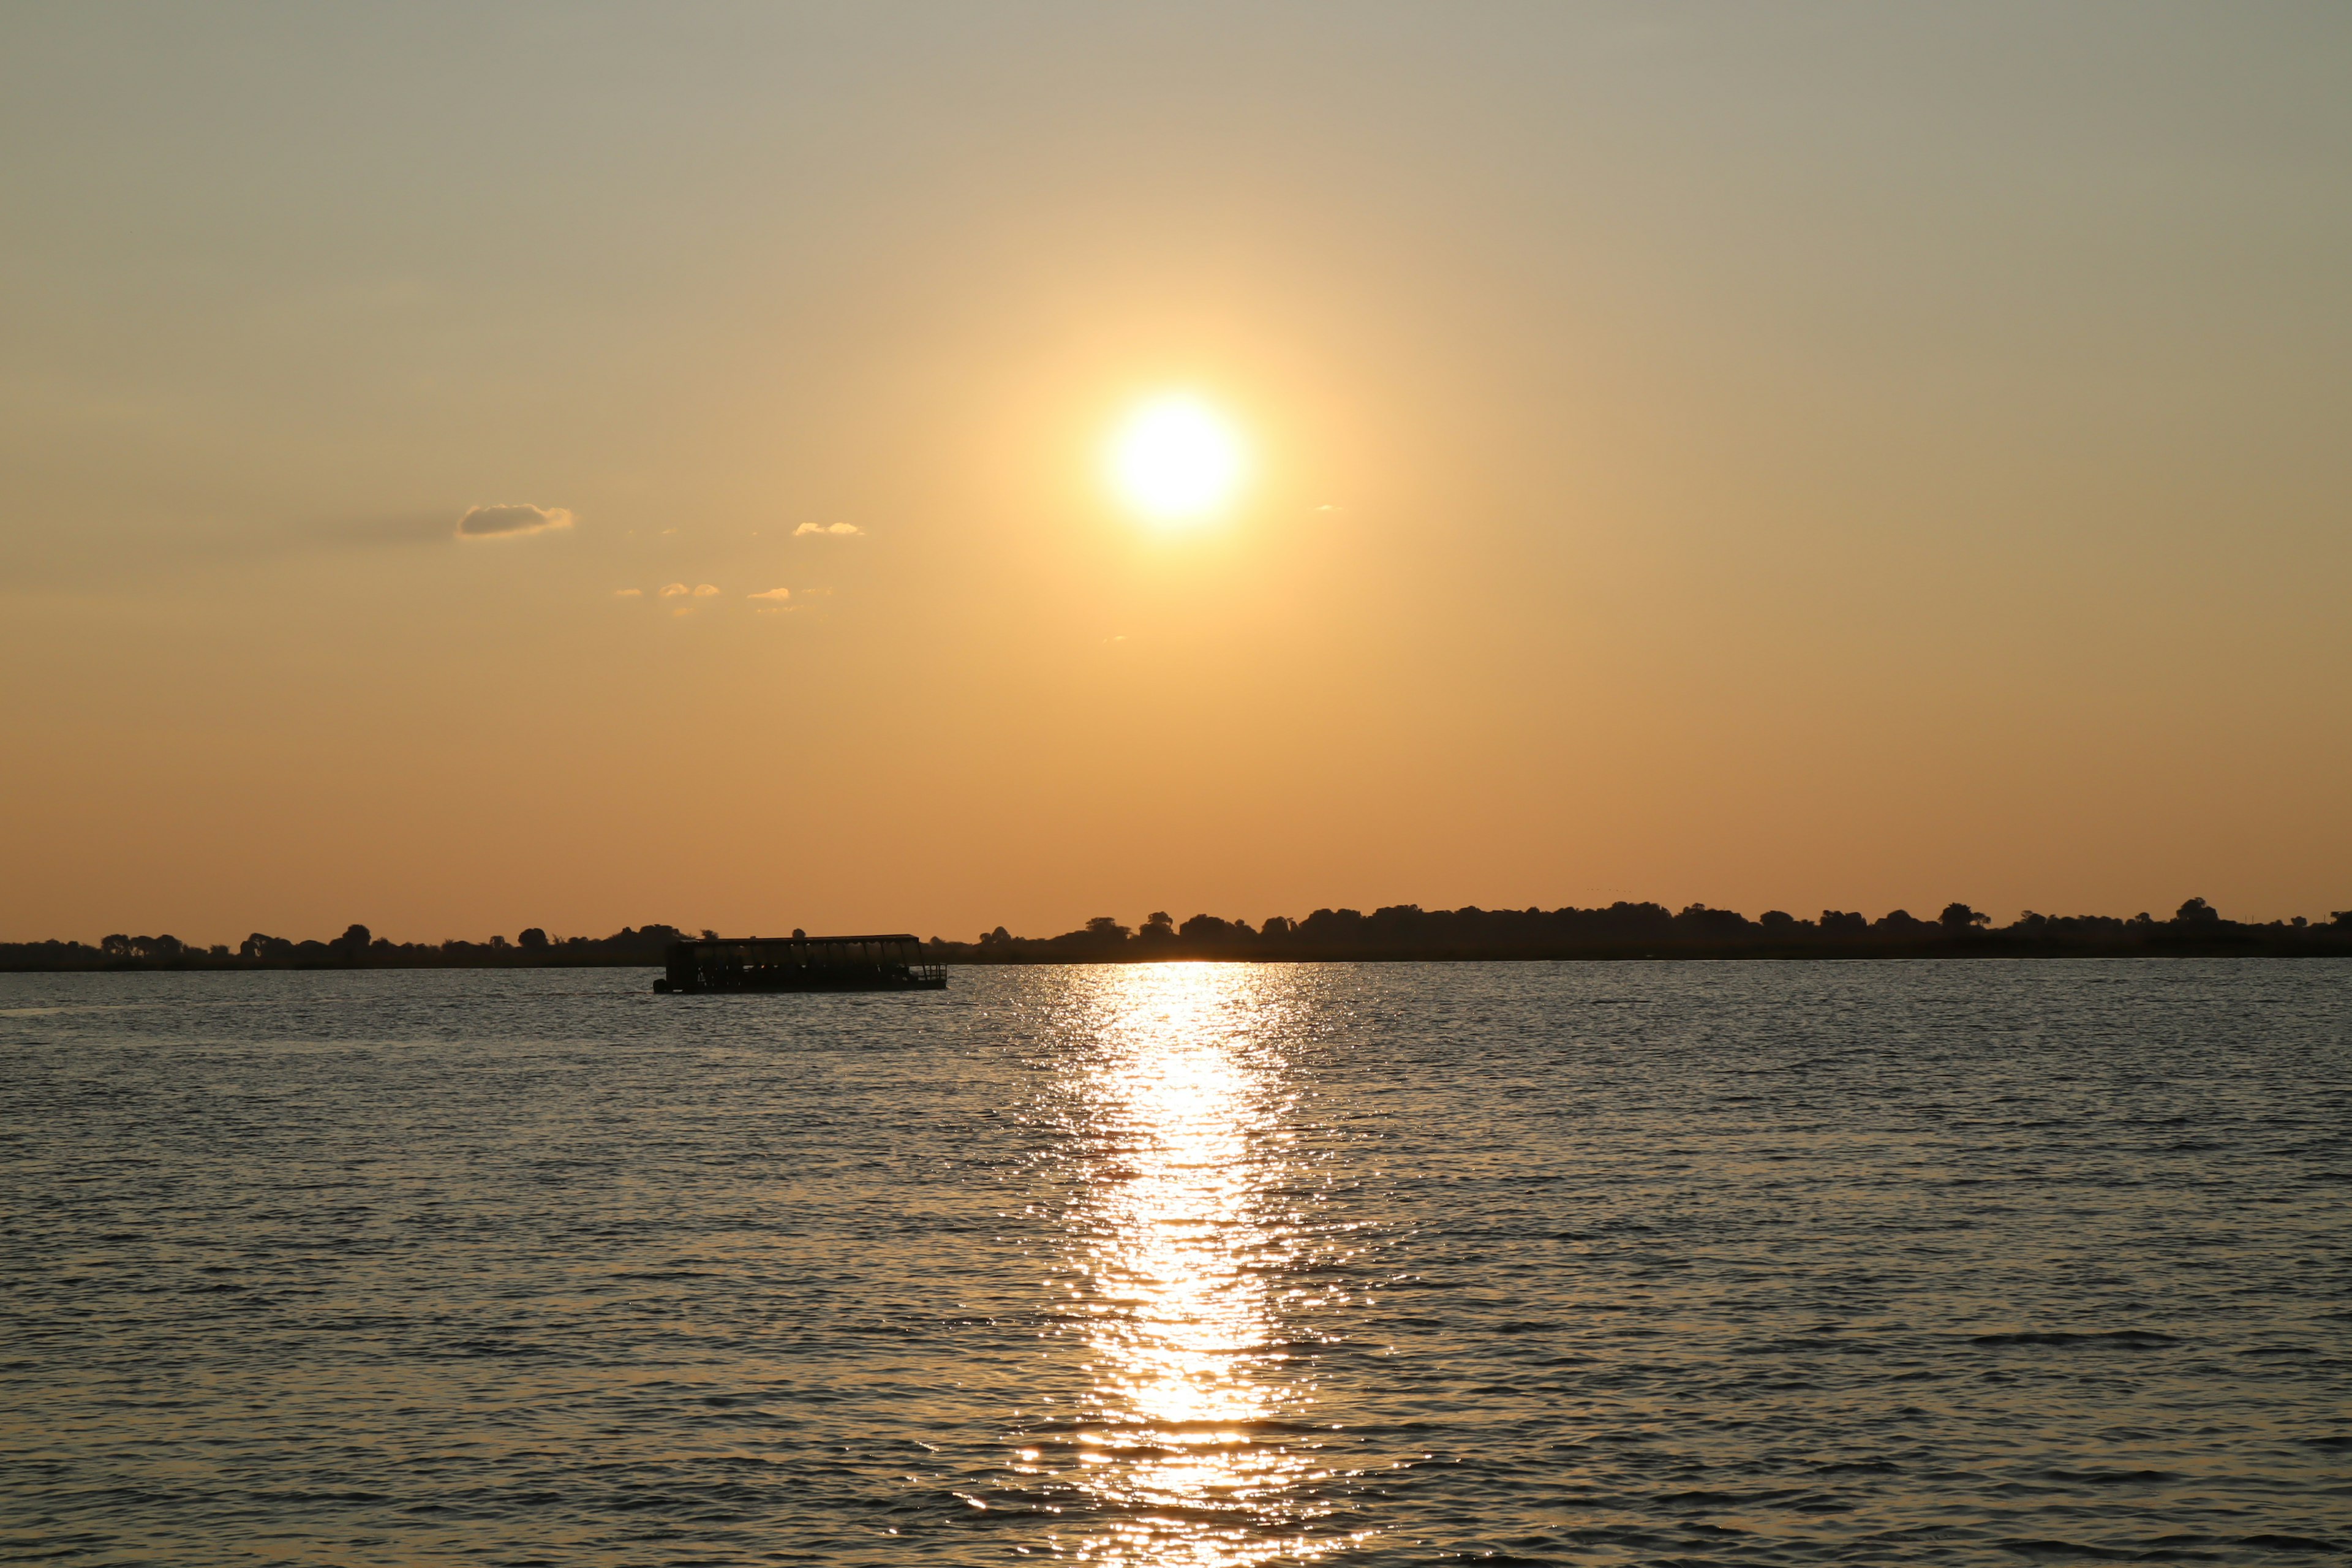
<point x="1201" y="1265"/>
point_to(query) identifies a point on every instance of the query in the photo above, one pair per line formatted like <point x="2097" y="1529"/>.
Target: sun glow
<point x="1176" y="459"/>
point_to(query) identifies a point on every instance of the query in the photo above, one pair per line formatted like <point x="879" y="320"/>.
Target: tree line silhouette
<point x="1399" y="932"/>
<point x="1407" y="931"/>
<point x="357" y="948"/>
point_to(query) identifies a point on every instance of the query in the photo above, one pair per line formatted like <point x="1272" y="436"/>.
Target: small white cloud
<point x="778" y="594"/>
<point x="628" y="593"/>
<point x="510" y="520"/>
<point x="705" y="591"/>
<point x="675" y="591"/>
<point x="838" y="528"/>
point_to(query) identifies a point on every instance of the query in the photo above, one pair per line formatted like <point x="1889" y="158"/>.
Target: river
<point x="1205" y="1265"/>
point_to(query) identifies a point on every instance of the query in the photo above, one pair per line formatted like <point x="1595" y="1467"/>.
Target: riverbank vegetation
<point x="1398" y="933"/>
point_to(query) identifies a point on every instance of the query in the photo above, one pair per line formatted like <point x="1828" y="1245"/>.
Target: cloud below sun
<point x="769" y="602"/>
<point x="512" y="521"/>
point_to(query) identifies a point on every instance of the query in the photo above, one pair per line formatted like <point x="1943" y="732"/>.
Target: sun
<point x="1176" y="459"/>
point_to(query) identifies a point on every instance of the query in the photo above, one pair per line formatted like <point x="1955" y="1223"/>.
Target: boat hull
<point x="800" y="964"/>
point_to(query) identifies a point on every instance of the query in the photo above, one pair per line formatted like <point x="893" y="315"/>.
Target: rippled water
<point x="1198" y="1264"/>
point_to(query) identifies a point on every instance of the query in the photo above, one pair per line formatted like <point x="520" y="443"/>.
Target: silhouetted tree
<point x="2197" y="912"/>
<point x="531" y="939"/>
<point x="1844" y="922"/>
<point x="1208" y="931"/>
<point x="1959" y="918"/>
<point x="1699" y="920"/>
<point x="1331" y="925"/>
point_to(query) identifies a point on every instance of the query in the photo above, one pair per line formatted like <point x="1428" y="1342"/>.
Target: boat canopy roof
<point x="797" y="941"/>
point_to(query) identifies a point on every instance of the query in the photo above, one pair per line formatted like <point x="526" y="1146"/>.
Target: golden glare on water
<point x="1198" y="1442"/>
<point x="1175" y="458"/>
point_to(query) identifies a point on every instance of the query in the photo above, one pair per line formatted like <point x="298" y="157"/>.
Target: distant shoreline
<point x="1403" y="934"/>
<point x="1686" y="955"/>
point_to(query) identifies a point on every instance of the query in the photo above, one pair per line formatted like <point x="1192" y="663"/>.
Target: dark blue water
<point x="1958" y="1263"/>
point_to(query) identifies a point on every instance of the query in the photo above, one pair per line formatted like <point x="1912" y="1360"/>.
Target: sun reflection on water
<point x="1198" y="1442"/>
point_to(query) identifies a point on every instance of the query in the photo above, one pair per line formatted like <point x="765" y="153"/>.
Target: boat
<point x="895" y="962"/>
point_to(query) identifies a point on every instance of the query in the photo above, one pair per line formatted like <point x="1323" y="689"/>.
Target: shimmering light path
<point x="1182" y="1267"/>
<point x="1193" y="1218"/>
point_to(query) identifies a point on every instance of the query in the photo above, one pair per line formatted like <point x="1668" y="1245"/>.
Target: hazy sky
<point x="1789" y="456"/>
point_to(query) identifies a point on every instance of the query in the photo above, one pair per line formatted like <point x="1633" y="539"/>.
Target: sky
<point x="1799" y="456"/>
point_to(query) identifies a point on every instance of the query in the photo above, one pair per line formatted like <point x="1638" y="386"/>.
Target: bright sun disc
<point x="1175" y="457"/>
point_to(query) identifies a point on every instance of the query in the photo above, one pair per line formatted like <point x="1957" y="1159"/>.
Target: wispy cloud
<point x="675" y="591"/>
<point x="778" y="594"/>
<point x="628" y="593"/>
<point x="837" y="528"/>
<point x="705" y="591"/>
<point x="511" y="520"/>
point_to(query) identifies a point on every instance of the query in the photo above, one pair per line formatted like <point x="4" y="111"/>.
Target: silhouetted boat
<point x="802" y="963"/>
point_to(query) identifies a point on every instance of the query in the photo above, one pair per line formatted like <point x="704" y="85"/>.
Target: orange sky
<point x="1815" y="456"/>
